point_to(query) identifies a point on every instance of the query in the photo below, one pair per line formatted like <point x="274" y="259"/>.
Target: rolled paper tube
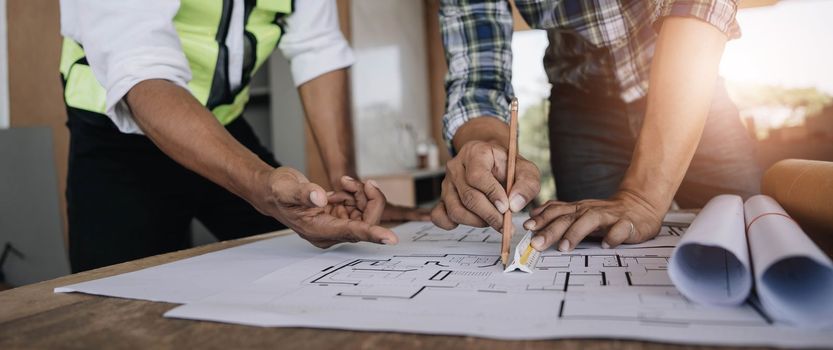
<point x="804" y="188"/>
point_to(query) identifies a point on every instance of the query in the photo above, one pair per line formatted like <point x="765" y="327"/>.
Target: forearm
<point x="326" y="105"/>
<point x="188" y="133"/>
<point x="683" y="76"/>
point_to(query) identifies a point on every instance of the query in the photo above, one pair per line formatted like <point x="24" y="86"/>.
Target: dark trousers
<point x="592" y="140"/>
<point x="128" y="200"/>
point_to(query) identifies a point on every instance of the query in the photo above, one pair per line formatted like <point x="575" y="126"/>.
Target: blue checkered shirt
<point x="477" y="37"/>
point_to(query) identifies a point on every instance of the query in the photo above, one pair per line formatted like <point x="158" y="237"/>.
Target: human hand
<point x="357" y="200"/>
<point x="626" y="217"/>
<point x="344" y="203"/>
<point x="301" y="205"/>
<point x="473" y="191"/>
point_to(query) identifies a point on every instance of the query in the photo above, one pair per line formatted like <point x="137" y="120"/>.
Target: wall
<point x="4" y="70"/>
<point x="34" y="80"/>
<point x="437" y="70"/>
<point x="288" y="119"/>
<point x="389" y="84"/>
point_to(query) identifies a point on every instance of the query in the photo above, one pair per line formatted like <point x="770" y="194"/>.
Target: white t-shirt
<point x="129" y="41"/>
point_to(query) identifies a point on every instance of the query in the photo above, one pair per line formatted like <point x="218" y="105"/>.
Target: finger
<point x="356" y="188"/>
<point x="618" y="233"/>
<point x="346" y="230"/>
<point x="477" y="175"/>
<point x="375" y="206"/>
<point x="439" y="217"/>
<point x="546" y="205"/>
<point x="551" y="233"/>
<point x="476" y="202"/>
<point x="303" y="194"/>
<point x="590" y="221"/>
<point x="458" y="212"/>
<point x="498" y="157"/>
<point x="342" y="198"/>
<point x="355" y="230"/>
<point x="356" y="215"/>
<point x="527" y="185"/>
<point x="341" y="212"/>
<point x="552" y="212"/>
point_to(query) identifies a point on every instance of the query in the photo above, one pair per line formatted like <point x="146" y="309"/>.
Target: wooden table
<point x="34" y="317"/>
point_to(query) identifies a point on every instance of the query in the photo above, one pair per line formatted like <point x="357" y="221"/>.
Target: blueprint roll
<point x="793" y="277"/>
<point x="805" y="189"/>
<point x="711" y="265"/>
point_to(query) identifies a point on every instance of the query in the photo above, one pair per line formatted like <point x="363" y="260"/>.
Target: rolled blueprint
<point x="805" y="189"/>
<point x="711" y="265"/>
<point x="793" y="277"/>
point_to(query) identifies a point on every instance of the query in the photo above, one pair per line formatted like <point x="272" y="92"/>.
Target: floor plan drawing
<point x="452" y="282"/>
<point x="588" y="284"/>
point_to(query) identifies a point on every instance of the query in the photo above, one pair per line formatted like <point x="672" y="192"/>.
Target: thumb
<point x="314" y="195"/>
<point x="304" y="194"/>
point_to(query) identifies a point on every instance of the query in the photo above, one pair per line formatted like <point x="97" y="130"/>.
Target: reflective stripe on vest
<point x="202" y="27"/>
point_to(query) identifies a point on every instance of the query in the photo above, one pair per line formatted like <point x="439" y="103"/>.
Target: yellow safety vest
<point x="202" y="26"/>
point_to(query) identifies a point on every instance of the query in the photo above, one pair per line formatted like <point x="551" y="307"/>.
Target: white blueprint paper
<point x="794" y="278"/>
<point x="195" y="278"/>
<point x="439" y="282"/>
<point x="711" y="263"/>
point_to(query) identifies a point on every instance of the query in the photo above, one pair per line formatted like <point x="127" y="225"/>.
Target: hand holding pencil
<point x="474" y="190"/>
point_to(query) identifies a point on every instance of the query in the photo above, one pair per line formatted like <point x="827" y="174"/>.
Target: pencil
<point x="510" y="180"/>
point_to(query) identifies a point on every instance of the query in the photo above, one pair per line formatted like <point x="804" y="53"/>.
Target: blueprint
<point x="195" y="278"/>
<point x="717" y="260"/>
<point x="452" y="282"/>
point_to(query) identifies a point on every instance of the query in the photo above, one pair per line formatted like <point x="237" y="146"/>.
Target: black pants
<point x="127" y="200"/>
<point x="592" y="140"/>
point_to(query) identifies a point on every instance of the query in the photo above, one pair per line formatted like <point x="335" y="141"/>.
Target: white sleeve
<point x="313" y="41"/>
<point x="126" y="42"/>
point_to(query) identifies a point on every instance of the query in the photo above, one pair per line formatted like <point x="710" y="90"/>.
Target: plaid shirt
<point x="477" y="36"/>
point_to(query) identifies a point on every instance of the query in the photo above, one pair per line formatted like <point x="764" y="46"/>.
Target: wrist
<point x="253" y="182"/>
<point x="485" y="128"/>
<point x="655" y="206"/>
